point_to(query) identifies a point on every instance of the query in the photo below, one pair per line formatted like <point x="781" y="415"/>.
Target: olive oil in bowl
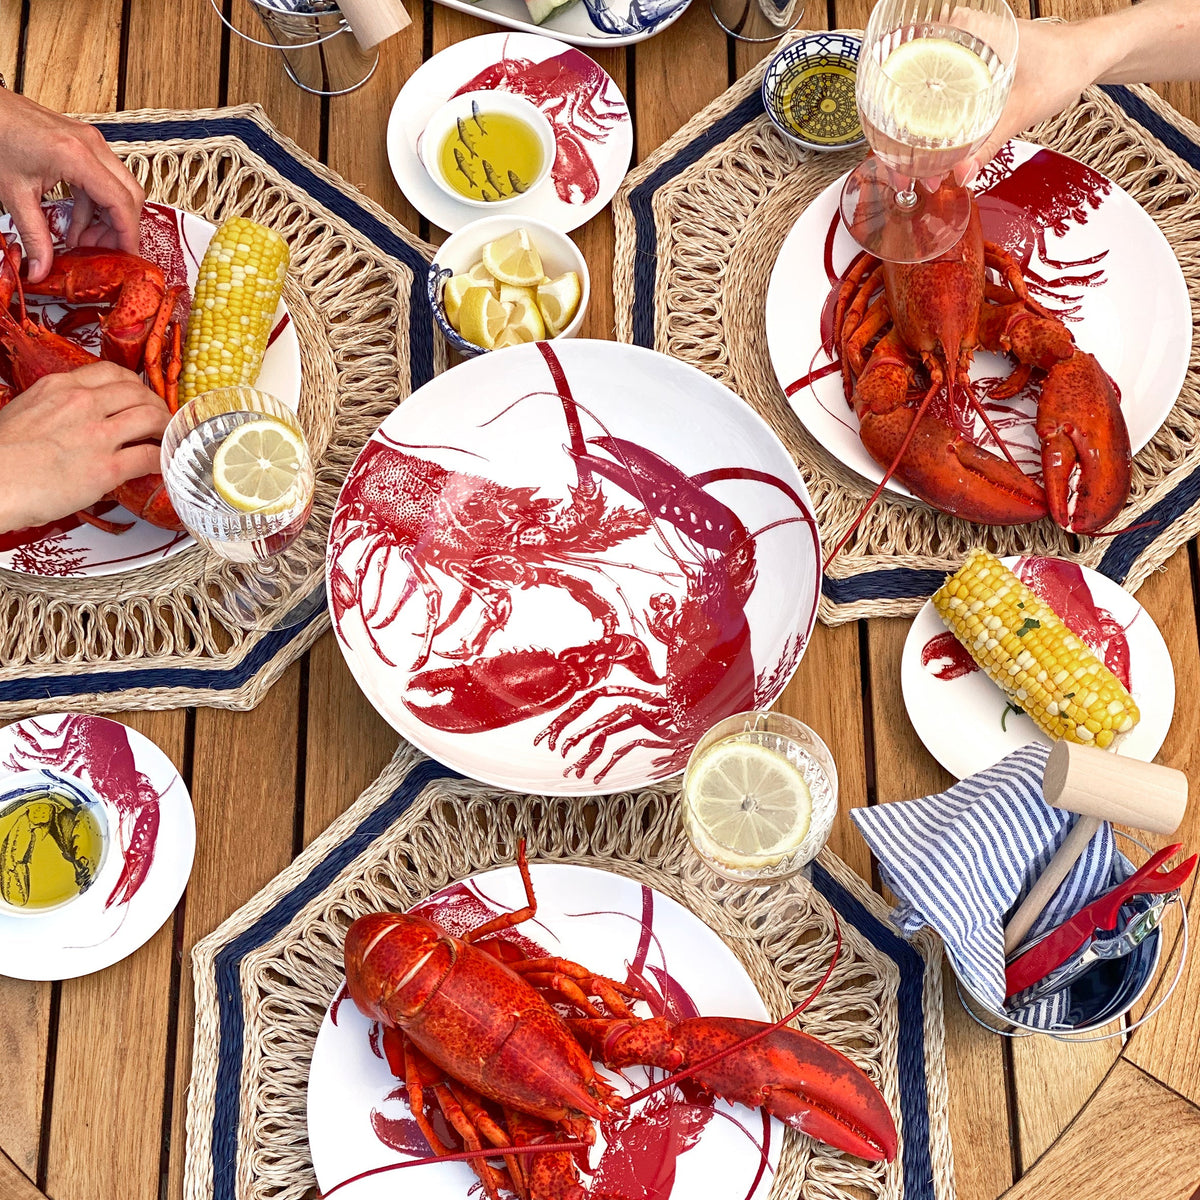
<point x="52" y="844"/>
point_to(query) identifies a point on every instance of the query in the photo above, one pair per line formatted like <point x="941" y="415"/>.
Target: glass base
<point x="263" y="603"/>
<point x="878" y="220"/>
<point x="754" y="20"/>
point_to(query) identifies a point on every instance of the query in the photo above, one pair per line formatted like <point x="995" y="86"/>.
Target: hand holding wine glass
<point x="933" y="79"/>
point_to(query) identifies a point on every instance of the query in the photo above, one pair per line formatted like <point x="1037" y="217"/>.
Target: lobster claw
<point x="1086" y="459"/>
<point x="802" y="1081"/>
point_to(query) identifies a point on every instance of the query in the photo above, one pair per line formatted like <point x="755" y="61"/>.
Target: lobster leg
<point x="576" y="983"/>
<point x="802" y="1081"/>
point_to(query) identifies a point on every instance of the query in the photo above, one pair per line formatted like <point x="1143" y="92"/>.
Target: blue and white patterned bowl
<point x="839" y="50"/>
<point x="462" y="250"/>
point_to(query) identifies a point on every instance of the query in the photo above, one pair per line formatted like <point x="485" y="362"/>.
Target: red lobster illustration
<point x="472" y="1023"/>
<point x="98" y="751"/>
<point x="709" y="671"/>
<point x="571" y="90"/>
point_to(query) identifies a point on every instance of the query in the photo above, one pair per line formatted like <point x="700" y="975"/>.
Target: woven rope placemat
<point x="153" y="638"/>
<point x="265" y="977"/>
<point x="698" y="228"/>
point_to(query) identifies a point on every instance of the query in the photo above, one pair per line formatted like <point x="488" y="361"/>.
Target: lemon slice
<point x="514" y="259"/>
<point x="481" y="317"/>
<point x="257" y="464"/>
<point x="452" y="294"/>
<point x="750" y="805"/>
<point x="524" y="322"/>
<point x="941" y="79"/>
<point x="558" y="301"/>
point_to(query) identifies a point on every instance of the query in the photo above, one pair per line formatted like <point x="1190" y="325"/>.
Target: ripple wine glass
<point x="269" y="597"/>
<point x="933" y="79"/>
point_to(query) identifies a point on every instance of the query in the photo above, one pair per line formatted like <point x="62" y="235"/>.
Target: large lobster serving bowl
<point x="553" y="568"/>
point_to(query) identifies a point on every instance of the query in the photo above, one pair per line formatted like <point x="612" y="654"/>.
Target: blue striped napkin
<point x="959" y="861"/>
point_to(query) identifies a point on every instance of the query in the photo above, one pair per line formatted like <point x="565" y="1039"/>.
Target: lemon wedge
<point x="510" y="293"/>
<point x="558" y="301"/>
<point x="481" y="317"/>
<point x="749" y="805"/>
<point x="524" y="323"/>
<point x="480" y="276"/>
<point x="257" y="464"/>
<point x="941" y="80"/>
<point x="514" y="259"/>
<point x="452" y="293"/>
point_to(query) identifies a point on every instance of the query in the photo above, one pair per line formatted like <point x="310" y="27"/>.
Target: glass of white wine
<point x="239" y="473"/>
<point x="933" y="79"/>
<point x="759" y="797"/>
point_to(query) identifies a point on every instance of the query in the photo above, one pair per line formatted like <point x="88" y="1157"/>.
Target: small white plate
<point x="593" y="23"/>
<point x="357" y="1118"/>
<point x="175" y="241"/>
<point x="152" y="835"/>
<point x="965" y="722"/>
<point x="586" y="110"/>
<point x="1068" y="222"/>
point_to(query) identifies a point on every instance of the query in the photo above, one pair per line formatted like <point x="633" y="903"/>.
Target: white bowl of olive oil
<point x="54" y="841"/>
<point x="487" y="149"/>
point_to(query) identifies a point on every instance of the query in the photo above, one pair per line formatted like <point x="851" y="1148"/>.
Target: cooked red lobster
<point x="482" y="1047"/>
<point x="138" y="331"/>
<point x="902" y="347"/>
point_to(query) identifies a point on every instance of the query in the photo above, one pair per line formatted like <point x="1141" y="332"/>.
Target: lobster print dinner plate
<point x="964" y="718"/>
<point x="592" y="128"/>
<point x="358" y="1117"/>
<point x="1088" y="251"/>
<point x="150" y="839"/>
<point x="175" y="241"/>
<point x="597" y="23"/>
<point x="555" y="566"/>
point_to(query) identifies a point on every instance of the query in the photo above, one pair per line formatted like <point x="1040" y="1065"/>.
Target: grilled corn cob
<point x="237" y="290"/>
<point x="1027" y="650"/>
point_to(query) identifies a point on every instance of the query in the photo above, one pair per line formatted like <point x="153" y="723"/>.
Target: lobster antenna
<point x="460" y="1156"/>
<point x="742" y="1043"/>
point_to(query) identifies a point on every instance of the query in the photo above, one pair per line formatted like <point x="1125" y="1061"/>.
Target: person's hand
<point x="71" y="438"/>
<point x="40" y="149"/>
<point x="1054" y="65"/>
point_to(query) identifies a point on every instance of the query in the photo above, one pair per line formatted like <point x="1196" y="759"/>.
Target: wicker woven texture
<point x="154" y="637"/>
<point x="712" y="207"/>
<point x="266" y="976"/>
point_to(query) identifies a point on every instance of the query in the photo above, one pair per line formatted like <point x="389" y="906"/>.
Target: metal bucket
<point x="320" y="52"/>
<point x="1140" y="970"/>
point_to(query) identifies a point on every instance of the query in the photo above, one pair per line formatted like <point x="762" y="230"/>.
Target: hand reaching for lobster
<point x="40" y="148"/>
<point x="71" y="438"/>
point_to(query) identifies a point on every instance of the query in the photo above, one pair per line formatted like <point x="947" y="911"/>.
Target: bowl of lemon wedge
<point x="507" y="280"/>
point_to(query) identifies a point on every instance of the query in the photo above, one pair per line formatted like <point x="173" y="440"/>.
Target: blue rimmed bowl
<point x="462" y="250"/>
<point x="808" y="92"/>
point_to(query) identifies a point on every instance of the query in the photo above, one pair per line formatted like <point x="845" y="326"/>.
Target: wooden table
<point x="94" y="1071"/>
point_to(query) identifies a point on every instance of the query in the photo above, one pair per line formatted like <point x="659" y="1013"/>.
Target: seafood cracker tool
<point x="1062" y="943"/>
<point x="1099" y="786"/>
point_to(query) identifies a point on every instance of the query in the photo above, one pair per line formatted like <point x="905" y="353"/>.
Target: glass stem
<point x="907" y="199"/>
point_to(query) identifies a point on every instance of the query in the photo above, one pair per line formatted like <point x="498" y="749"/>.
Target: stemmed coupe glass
<point x="933" y="79"/>
<point x="268" y="595"/>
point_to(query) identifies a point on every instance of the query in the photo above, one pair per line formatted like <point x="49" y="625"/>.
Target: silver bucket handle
<point x="342" y="27"/>
<point x="1065" y="1035"/>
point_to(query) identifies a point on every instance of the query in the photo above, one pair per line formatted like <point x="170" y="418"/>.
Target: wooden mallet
<point x="1100" y="786"/>
<point x="373" y="21"/>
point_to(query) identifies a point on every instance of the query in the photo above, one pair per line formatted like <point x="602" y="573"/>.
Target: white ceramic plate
<point x="585" y="108"/>
<point x="595" y="23"/>
<point x="964" y="721"/>
<point x="637" y="632"/>
<point x="1070" y="223"/>
<point x="175" y="241"/>
<point x="152" y="841"/>
<point x="356" y="1120"/>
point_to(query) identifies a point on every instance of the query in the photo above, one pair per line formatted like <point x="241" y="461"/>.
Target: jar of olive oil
<point x="53" y="839"/>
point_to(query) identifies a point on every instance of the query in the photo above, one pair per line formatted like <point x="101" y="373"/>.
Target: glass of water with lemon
<point x="239" y="473"/>
<point x="759" y="797"/>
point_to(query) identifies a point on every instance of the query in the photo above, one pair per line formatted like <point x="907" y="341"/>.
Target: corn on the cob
<point x="237" y="290"/>
<point x="1026" y="649"/>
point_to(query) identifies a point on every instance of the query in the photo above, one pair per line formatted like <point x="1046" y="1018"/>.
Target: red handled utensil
<point x="1064" y="940"/>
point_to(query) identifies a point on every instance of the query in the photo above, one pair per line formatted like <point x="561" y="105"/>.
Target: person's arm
<point x="1154" y="41"/>
<point x="71" y="438"/>
<point x="40" y="149"/>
